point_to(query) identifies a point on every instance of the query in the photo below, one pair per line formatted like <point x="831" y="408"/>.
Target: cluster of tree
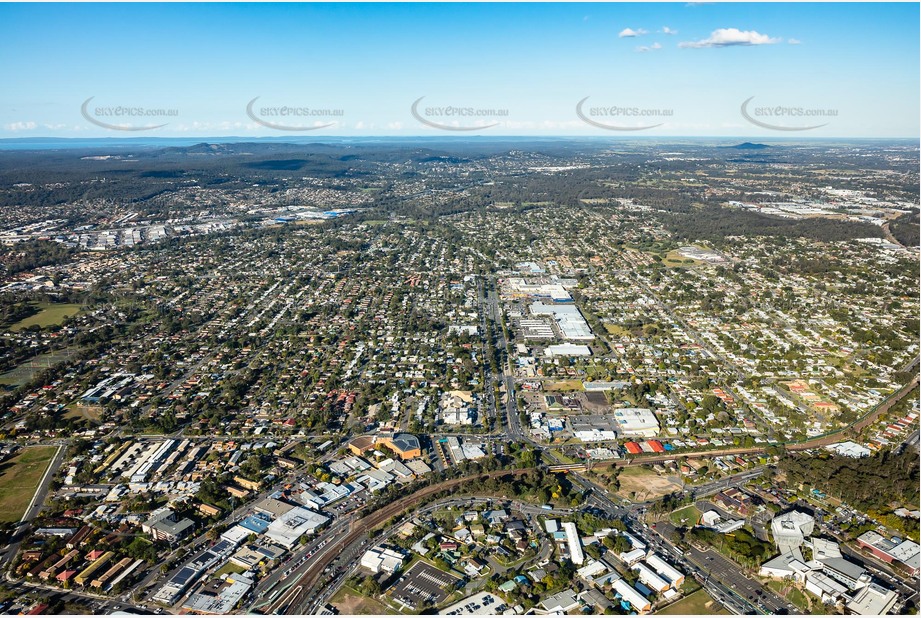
<point x="906" y="229"/>
<point x="14" y="311"/>
<point x="213" y="491"/>
<point x="33" y="254"/>
<point x="741" y="545"/>
<point x="884" y="481"/>
<point x="714" y="223"/>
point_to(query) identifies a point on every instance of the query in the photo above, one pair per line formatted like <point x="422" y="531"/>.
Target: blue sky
<point x="687" y="68"/>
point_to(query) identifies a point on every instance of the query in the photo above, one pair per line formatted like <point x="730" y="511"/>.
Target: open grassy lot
<point x="673" y="258"/>
<point x="644" y="484"/>
<point x="564" y="385"/>
<point x="79" y="410"/>
<point x="19" y="478"/>
<point x="350" y="602"/>
<point x="27" y="370"/>
<point x="688" y="516"/>
<point x="562" y="457"/>
<point x="696" y="603"/>
<point x="50" y="314"/>
<point x="616" y="329"/>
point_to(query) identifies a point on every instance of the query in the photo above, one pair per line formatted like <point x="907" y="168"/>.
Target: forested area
<point x="885" y="480"/>
<point x="714" y="223"/>
<point x="906" y="229"/>
<point x="32" y="254"/>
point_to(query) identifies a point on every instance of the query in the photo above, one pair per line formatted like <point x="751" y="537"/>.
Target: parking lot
<point x="483" y="604"/>
<point x="421" y="584"/>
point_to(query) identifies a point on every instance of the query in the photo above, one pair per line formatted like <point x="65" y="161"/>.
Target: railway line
<point x="360" y="530"/>
<point x="301" y="591"/>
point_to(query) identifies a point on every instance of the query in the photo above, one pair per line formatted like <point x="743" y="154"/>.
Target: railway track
<point x="304" y="586"/>
<point x="360" y="530"/>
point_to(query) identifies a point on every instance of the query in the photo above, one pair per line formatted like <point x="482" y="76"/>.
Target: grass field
<point x="644" y="484"/>
<point x="50" y="314"/>
<point x="616" y="329"/>
<point x="688" y="516"/>
<point x="350" y="602"/>
<point x="695" y="604"/>
<point x="673" y="258"/>
<point x="27" y="370"/>
<point x="19" y="478"/>
<point x="562" y="457"/>
<point x="78" y="410"/>
<point x="564" y="385"/>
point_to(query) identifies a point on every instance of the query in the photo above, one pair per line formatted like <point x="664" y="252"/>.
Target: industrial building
<point x="568" y="319"/>
<point x="637" y="422"/>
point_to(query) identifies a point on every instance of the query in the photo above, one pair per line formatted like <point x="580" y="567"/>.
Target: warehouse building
<point x="637" y="422"/>
<point x="568" y="318"/>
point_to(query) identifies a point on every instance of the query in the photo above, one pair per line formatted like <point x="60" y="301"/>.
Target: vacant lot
<point x="79" y="410"/>
<point x="350" y="602"/>
<point x="616" y="329"/>
<point x="673" y="258"/>
<point x="50" y="314"/>
<point x="19" y="478"/>
<point x="564" y="385"/>
<point x="644" y="484"/>
<point x="698" y="603"/>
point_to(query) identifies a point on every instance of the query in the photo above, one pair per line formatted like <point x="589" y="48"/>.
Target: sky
<point x="569" y="69"/>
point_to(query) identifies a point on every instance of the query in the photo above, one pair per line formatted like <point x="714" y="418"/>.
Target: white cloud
<point x="646" y="48"/>
<point x="55" y="127"/>
<point x="793" y="41"/>
<point x="20" y="126"/>
<point x="630" y="32"/>
<point x="667" y="30"/>
<point x="394" y="126"/>
<point x="731" y="37"/>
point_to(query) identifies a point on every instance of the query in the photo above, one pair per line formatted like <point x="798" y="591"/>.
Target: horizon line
<point x="317" y="138"/>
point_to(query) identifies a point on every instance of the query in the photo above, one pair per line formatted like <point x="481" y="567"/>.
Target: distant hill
<point x="748" y="146"/>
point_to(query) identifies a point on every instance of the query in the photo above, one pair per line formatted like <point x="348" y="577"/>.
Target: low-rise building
<point x="382" y="560"/>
